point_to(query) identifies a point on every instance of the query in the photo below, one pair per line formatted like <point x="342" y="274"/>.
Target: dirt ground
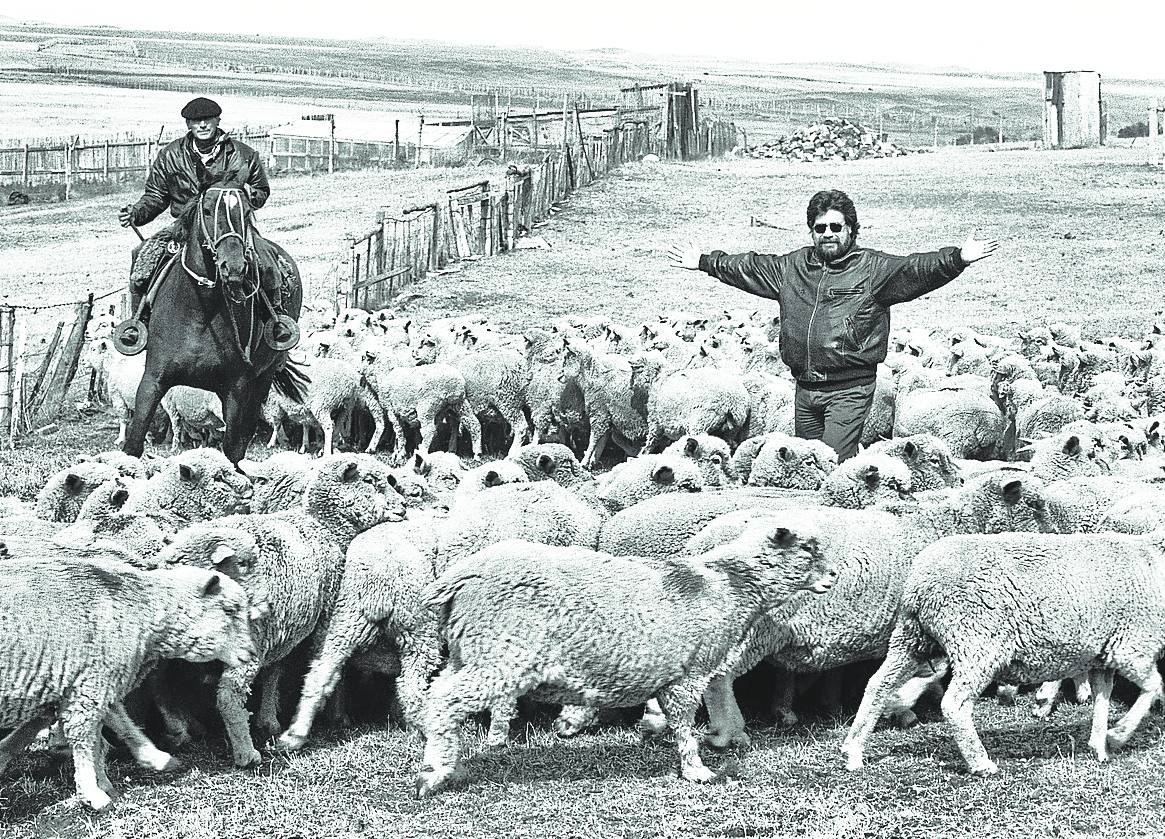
<point x="1081" y="236"/>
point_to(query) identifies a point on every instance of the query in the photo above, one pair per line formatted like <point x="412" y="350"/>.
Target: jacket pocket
<point x="850" y="336"/>
<point x="846" y="292"/>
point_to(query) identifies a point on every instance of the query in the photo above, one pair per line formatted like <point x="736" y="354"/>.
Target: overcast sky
<point x="1116" y="38"/>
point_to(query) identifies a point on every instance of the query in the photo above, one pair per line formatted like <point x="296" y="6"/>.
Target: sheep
<point x="699" y="400"/>
<point x="101" y="526"/>
<point x="1079" y="367"/>
<point x="879" y="422"/>
<point x="194" y="485"/>
<point x="488" y="475"/>
<point x="279" y="481"/>
<point x="864" y="480"/>
<point x="443" y="471"/>
<point x="553" y="401"/>
<point x="966" y="419"/>
<point x="711" y="454"/>
<point x="551" y="461"/>
<point x="1107" y="503"/>
<point x="495" y="383"/>
<point x="929" y="459"/>
<point x="192" y="409"/>
<point x="647" y="476"/>
<point x="1071" y="453"/>
<point x="128" y="465"/>
<point x="80" y="670"/>
<point x="413" y="395"/>
<point x="335" y="386"/>
<point x="873" y="551"/>
<point x="1027" y="608"/>
<point x="783" y="461"/>
<point x="379" y="596"/>
<point x="770" y="405"/>
<point x="520" y="617"/>
<point x="615" y="411"/>
<point x="61" y="497"/>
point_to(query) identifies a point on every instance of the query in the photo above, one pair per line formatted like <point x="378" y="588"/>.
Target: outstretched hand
<point x="975" y="249"/>
<point x="686" y="255"/>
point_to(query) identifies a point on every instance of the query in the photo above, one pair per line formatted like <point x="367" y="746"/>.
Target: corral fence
<point x="39" y="359"/>
<point x="479" y="219"/>
<point x="1156" y="135"/>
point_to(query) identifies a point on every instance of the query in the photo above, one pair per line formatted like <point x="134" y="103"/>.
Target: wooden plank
<point x="376" y="279"/>
<point x="36" y="393"/>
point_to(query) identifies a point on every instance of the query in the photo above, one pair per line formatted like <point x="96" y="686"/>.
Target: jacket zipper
<point x="809" y="329"/>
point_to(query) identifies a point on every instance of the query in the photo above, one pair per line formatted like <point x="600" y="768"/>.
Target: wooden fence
<point x="37" y="366"/>
<point x="479" y="220"/>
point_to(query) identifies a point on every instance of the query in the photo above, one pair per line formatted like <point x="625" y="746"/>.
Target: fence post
<point x="16" y="402"/>
<point x="24" y="168"/>
<point x="105" y="164"/>
<point x="396" y="144"/>
<point x="420" y="133"/>
<point x="1154" y="135"/>
<point x="7" y="315"/>
<point x="68" y="169"/>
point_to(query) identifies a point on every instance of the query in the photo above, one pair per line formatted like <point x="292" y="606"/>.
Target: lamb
<point x="514" y="616"/>
<point x="192" y="409"/>
<point x="101" y="526"/>
<point x="299" y="564"/>
<point x="334" y="388"/>
<point x="81" y="670"/>
<point x="1059" y="606"/>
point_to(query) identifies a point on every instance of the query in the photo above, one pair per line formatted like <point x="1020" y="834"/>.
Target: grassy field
<point x="1082" y="239"/>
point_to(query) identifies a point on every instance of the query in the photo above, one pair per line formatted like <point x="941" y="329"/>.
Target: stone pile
<point x="834" y="138"/>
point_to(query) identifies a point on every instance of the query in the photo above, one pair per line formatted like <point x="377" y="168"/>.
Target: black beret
<point x="201" y="108"/>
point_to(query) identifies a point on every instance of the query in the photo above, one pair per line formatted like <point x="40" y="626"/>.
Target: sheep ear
<point x="351" y="472"/>
<point x="782" y="537"/>
<point x="392" y="481"/>
<point x="910" y="449"/>
<point x="786" y="453"/>
<point x="213" y="586"/>
<point x="871" y="476"/>
<point x="664" y="475"/>
<point x="546" y="464"/>
<point x="1072" y="445"/>
<point x="691" y="446"/>
<point x="118" y="497"/>
<point x="74" y="483"/>
<point x="492" y="478"/>
<point x="1013" y="491"/>
<point x="189" y="473"/>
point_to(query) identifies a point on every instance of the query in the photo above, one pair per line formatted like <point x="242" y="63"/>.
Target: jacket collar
<point x="814" y="262"/>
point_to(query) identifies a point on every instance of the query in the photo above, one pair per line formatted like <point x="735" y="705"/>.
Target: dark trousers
<point x="835" y="417"/>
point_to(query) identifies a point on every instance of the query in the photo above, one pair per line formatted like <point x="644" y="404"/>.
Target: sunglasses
<point x="834" y="227"/>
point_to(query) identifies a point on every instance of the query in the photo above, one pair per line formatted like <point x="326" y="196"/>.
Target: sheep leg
<point x="100" y="759"/>
<point x="343" y="638"/>
<point x="267" y="720"/>
<point x="680" y="702"/>
<point x="399" y="452"/>
<point x="21" y="737"/>
<point x="377" y="411"/>
<point x="901" y="663"/>
<point x="501" y="714"/>
<point x="655" y="441"/>
<point x="725" y="721"/>
<point x="517" y="422"/>
<point x="653" y="721"/>
<point x="600" y="432"/>
<point x="575" y="719"/>
<point x="958" y="706"/>
<point x="906" y="697"/>
<point x="174" y="426"/>
<point x="473" y="426"/>
<point x="419" y="657"/>
<point x="328" y="425"/>
<point x="783" y="699"/>
<point x="1142" y="673"/>
<point x="140" y="746"/>
<point x="427" y="411"/>
<point x="233" y="689"/>
<point x="1101" y="681"/>
<point x="452" y="697"/>
<point x="83" y="730"/>
<point x="1047" y="695"/>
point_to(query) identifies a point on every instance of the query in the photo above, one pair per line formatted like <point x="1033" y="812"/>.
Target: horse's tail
<point x="291" y="380"/>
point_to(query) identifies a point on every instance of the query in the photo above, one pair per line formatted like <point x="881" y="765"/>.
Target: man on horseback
<point x="204" y="157"/>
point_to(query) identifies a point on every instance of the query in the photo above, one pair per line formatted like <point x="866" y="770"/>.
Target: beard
<point x="831" y="248"/>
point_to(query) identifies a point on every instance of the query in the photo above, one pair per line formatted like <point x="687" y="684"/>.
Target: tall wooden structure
<point x="1074" y="114"/>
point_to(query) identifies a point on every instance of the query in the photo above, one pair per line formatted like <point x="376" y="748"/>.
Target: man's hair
<point x="832" y="199"/>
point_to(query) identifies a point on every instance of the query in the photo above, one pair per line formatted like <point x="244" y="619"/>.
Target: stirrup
<point x="130" y="336"/>
<point x="286" y="323"/>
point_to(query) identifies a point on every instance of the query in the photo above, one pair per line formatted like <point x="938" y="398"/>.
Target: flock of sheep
<point x="998" y="526"/>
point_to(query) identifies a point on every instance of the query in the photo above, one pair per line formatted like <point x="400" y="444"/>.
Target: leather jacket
<point x="178" y="176"/>
<point x="835" y="317"/>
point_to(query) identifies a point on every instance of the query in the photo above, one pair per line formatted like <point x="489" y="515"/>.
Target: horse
<point x="207" y="324"/>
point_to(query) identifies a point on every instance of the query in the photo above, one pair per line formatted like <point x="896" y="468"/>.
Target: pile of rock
<point x="834" y="138"/>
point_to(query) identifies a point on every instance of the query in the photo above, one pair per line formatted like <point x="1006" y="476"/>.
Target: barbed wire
<point x="29" y="308"/>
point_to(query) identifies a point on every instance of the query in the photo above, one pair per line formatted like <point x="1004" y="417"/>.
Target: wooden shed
<point x="1074" y="115"/>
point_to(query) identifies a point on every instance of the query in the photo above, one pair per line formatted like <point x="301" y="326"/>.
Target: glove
<point x="125" y="216"/>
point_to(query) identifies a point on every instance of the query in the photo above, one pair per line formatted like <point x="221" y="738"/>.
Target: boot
<point x="277" y="297"/>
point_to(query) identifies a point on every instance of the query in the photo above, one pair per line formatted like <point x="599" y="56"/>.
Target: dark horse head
<point x="207" y="319"/>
